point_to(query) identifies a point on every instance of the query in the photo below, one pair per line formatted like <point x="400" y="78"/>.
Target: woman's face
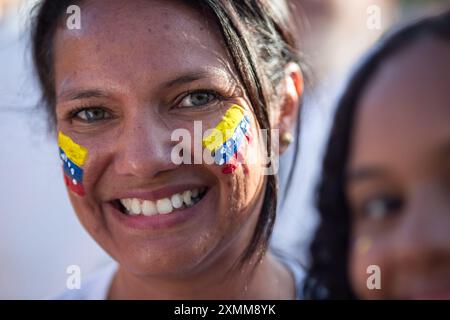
<point x="144" y="69"/>
<point x="399" y="178"/>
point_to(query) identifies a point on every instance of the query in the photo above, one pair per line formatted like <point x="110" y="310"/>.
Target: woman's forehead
<point x="410" y="87"/>
<point x="406" y="98"/>
<point x="137" y="14"/>
<point x="139" y="40"/>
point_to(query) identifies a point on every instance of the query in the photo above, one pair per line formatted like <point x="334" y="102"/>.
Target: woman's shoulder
<point x="94" y="287"/>
<point x="297" y="270"/>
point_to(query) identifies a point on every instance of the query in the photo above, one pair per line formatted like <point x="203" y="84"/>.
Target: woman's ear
<point x="291" y="91"/>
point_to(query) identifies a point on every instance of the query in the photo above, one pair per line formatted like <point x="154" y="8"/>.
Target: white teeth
<point x="126" y="203"/>
<point x="177" y="200"/>
<point x="187" y="197"/>
<point x="164" y="206"/>
<point x="149" y="208"/>
<point x="136" y="206"/>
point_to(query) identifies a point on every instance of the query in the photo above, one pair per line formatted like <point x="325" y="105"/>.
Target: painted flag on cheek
<point x="228" y="138"/>
<point x="73" y="157"/>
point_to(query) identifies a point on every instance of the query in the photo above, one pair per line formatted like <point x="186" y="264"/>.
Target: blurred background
<point x="39" y="233"/>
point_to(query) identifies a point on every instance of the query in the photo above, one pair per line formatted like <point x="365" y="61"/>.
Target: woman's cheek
<point x="228" y="141"/>
<point x="79" y="163"/>
<point x="365" y="268"/>
<point x="73" y="157"/>
<point x="235" y="153"/>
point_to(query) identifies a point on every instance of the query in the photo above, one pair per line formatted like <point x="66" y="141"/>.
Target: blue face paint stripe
<point x="73" y="171"/>
<point x="224" y="154"/>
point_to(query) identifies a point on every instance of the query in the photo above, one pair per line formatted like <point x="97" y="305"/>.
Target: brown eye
<point x="197" y="99"/>
<point x="92" y="114"/>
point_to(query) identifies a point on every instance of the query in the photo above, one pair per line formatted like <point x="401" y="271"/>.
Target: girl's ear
<point x="291" y="90"/>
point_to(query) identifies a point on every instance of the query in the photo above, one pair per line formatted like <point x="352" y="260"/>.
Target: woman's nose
<point x="144" y="147"/>
<point x="423" y="234"/>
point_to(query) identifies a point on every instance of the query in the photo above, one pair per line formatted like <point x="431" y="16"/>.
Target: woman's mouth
<point x="166" y="205"/>
<point x="172" y="207"/>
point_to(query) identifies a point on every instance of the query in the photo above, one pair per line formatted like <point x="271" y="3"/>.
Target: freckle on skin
<point x="166" y="27"/>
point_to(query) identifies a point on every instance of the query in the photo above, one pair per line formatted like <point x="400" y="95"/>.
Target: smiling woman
<point x="120" y="85"/>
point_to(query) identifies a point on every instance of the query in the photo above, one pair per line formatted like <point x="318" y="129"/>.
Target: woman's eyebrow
<point x="78" y="94"/>
<point x="364" y="173"/>
<point x="185" y="78"/>
<point x="196" y="75"/>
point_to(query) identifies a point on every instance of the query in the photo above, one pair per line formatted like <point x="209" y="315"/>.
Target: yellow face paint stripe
<point x="76" y="153"/>
<point x="225" y="129"/>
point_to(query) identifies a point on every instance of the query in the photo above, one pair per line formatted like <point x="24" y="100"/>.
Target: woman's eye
<point x="92" y="114"/>
<point x="381" y="207"/>
<point x="197" y="99"/>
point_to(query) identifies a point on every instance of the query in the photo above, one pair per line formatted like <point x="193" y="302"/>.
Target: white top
<point x="96" y="286"/>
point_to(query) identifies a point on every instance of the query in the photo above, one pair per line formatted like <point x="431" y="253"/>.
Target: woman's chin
<point x="164" y="243"/>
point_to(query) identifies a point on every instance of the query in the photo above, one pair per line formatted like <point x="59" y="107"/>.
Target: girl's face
<point x="135" y="72"/>
<point x="399" y="178"/>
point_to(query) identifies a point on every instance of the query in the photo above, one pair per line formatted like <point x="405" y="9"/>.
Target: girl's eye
<point x="381" y="207"/>
<point x="197" y="99"/>
<point x="92" y="114"/>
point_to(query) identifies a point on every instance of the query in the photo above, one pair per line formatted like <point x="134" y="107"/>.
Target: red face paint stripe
<point x="76" y="188"/>
<point x="229" y="168"/>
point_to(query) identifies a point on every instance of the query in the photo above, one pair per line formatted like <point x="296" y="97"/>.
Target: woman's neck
<point x="269" y="280"/>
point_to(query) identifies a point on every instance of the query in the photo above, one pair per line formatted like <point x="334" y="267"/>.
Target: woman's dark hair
<point x="328" y="276"/>
<point x="260" y="40"/>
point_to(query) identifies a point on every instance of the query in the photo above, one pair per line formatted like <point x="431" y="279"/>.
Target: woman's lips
<point x="159" y="219"/>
